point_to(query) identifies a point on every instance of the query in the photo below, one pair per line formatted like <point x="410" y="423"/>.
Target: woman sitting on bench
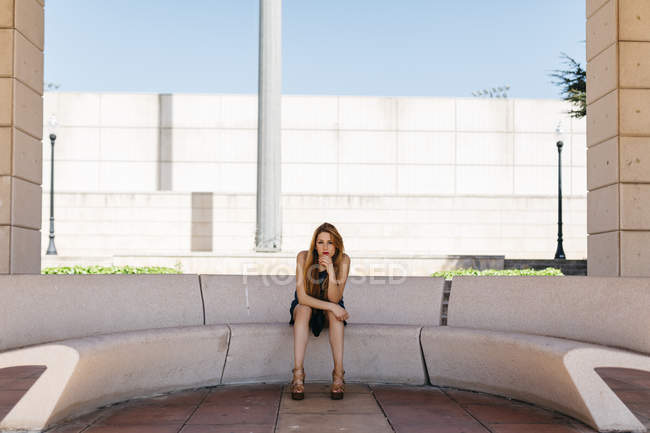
<point x="321" y="273"/>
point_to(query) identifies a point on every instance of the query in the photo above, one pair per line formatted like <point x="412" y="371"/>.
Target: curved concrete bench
<point x="382" y="339"/>
<point x="539" y="339"/>
<point x="109" y="338"/>
<point x="86" y="373"/>
<point x="104" y="339"/>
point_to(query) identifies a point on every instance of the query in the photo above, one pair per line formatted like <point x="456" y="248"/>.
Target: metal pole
<point x="268" y="233"/>
<point x="51" y="249"/>
<point x="559" y="252"/>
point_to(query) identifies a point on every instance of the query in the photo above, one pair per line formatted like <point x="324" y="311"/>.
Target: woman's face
<point x="324" y="244"/>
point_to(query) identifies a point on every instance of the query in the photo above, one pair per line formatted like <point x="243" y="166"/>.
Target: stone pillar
<point x="21" y="128"/>
<point x="268" y="234"/>
<point x="618" y="137"/>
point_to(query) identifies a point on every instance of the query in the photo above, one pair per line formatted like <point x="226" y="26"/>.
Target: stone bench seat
<point x="540" y="339"/>
<point x="551" y="372"/>
<point x="263" y="352"/>
<point x="106" y="339"/>
<point x="85" y="373"/>
<point x="382" y="339"/>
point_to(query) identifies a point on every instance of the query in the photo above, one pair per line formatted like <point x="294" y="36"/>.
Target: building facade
<point x="152" y="174"/>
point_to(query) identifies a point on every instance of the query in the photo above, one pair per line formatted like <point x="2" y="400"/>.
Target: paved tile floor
<point x="269" y="408"/>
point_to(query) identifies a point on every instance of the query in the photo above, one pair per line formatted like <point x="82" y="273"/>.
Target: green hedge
<point x="76" y="270"/>
<point x="70" y="270"/>
<point x="449" y="274"/>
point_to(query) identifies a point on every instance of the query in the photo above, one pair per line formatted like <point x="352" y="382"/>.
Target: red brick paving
<point x="254" y="408"/>
<point x="14" y="383"/>
<point x="148" y="415"/>
<point x="246" y="428"/>
<point x="235" y="414"/>
<point x="22" y="371"/>
<point x="514" y="414"/>
<point x="132" y="429"/>
<point x="532" y="428"/>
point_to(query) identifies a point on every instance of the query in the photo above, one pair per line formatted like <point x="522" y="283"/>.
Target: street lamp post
<point x="559" y="252"/>
<point x="51" y="249"/>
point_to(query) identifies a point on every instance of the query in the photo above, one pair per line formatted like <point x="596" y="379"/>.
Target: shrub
<point x="449" y="274"/>
<point x="76" y="270"/>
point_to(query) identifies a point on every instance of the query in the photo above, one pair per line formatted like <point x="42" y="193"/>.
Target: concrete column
<point x="21" y="128"/>
<point x="268" y="233"/>
<point x="618" y="137"/>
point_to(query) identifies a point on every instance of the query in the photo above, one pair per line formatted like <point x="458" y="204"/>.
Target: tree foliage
<point x="573" y="84"/>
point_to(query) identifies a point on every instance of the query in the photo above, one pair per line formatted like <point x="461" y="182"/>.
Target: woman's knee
<point x="302" y="312"/>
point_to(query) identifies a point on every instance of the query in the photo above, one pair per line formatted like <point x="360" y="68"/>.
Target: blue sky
<point x="333" y="47"/>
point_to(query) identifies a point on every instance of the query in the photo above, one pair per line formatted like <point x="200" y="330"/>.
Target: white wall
<point x="330" y="144"/>
<point x="103" y="224"/>
<point x="401" y="175"/>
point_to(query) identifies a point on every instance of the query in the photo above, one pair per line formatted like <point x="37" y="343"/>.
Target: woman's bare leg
<point x="336" y="340"/>
<point x="301" y="315"/>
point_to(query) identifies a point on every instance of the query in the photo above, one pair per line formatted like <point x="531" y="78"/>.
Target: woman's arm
<point x="335" y="287"/>
<point x="303" y="297"/>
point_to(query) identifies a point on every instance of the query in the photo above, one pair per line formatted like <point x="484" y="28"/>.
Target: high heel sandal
<point x="298" y="384"/>
<point x="338" y="385"/>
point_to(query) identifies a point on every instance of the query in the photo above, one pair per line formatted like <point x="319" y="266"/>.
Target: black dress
<point x="317" y="320"/>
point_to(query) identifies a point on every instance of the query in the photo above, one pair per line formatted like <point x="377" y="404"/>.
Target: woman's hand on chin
<point x="326" y="260"/>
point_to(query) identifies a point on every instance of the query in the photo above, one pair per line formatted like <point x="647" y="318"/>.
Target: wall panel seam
<point x="603" y="140"/>
<point x="39" y="93"/>
<point x="603" y="232"/>
<point x="603" y="96"/>
<point x="26" y="132"/>
<point x="591" y="59"/>
<point x="599" y="8"/>
<point x="618" y="128"/>
<point x="28" y="39"/>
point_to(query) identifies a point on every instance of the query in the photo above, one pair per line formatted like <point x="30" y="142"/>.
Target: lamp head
<point x="52" y="124"/>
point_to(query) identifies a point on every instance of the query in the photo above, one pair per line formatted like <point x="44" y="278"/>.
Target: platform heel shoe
<point x="298" y="384"/>
<point x="338" y="385"/>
